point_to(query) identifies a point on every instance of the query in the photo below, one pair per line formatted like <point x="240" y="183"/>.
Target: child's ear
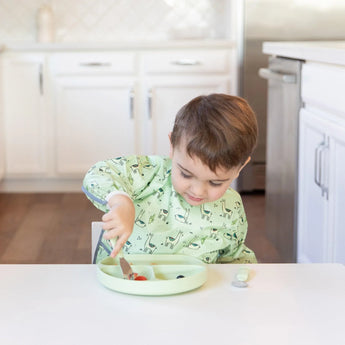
<point x="245" y="163"/>
<point x="242" y="166"/>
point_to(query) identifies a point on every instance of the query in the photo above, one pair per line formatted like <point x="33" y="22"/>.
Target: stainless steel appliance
<point x="278" y="20"/>
<point x="283" y="107"/>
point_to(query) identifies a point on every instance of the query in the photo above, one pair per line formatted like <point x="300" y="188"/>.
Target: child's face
<point x="195" y="182"/>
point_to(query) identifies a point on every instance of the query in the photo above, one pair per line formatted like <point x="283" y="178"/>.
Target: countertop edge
<point x="332" y="52"/>
<point x="111" y="46"/>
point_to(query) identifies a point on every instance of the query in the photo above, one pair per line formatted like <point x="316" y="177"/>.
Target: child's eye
<point x="215" y="184"/>
<point x="185" y="175"/>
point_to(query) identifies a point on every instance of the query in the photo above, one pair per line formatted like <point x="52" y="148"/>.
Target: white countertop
<point x="104" y="46"/>
<point x="65" y="304"/>
<point x="319" y="51"/>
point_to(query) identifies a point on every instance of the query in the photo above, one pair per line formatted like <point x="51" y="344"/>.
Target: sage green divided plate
<point x="161" y="272"/>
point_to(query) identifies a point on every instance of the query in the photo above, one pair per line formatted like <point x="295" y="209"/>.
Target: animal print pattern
<point x="165" y="223"/>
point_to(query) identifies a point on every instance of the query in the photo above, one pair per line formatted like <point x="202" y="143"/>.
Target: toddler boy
<point x="182" y="204"/>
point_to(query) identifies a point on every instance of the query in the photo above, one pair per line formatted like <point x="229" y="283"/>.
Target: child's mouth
<point x="194" y="199"/>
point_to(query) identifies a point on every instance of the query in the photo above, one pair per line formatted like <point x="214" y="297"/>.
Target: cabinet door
<point x="2" y="149"/>
<point x="312" y="205"/>
<point x="336" y="191"/>
<point x="94" y="121"/>
<point x="165" y="96"/>
<point x="2" y="131"/>
<point x="24" y="114"/>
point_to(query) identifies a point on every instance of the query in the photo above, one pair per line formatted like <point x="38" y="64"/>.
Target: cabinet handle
<point x="319" y="168"/>
<point x="131" y="104"/>
<point x="149" y="104"/>
<point x="317" y="171"/>
<point x="95" y="64"/>
<point x="186" y="62"/>
<point x="323" y="164"/>
<point x="40" y="78"/>
<point x="280" y="77"/>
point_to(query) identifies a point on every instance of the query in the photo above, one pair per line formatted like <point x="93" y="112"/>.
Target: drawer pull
<point x="186" y="62"/>
<point x="40" y="79"/>
<point x="95" y="64"/>
<point x="131" y="103"/>
<point x="149" y="104"/>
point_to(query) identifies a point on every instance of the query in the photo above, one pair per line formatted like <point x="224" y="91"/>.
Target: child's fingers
<point x="107" y="216"/>
<point x="109" y="225"/>
<point x="119" y="244"/>
<point x="113" y="233"/>
<point x="109" y="222"/>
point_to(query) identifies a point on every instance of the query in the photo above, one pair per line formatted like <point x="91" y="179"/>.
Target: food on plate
<point x="140" y="278"/>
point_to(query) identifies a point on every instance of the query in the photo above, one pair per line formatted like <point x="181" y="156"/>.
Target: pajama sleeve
<point x="132" y="175"/>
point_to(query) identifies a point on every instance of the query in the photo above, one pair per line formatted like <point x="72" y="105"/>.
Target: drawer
<point x="93" y="62"/>
<point x="323" y="86"/>
<point x="187" y="61"/>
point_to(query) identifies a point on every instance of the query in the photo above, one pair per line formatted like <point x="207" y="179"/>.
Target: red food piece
<point x="140" y="278"/>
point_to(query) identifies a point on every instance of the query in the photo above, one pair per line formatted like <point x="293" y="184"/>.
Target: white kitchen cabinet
<point x="24" y="114"/>
<point x="2" y="132"/>
<point x="321" y="235"/>
<point x="321" y="223"/>
<point x="173" y="78"/>
<point x="94" y="121"/>
<point x="100" y="97"/>
<point x="312" y="201"/>
<point x="166" y="95"/>
<point x="94" y="109"/>
<point x="65" y="110"/>
<point x="2" y="158"/>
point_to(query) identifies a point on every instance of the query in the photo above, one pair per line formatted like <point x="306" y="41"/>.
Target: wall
<point x="295" y="19"/>
<point x="113" y="20"/>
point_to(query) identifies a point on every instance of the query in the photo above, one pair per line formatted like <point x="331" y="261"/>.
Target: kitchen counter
<point x="120" y="45"/>
<point x="65" y="304"/>
<point x="319" y="51"/>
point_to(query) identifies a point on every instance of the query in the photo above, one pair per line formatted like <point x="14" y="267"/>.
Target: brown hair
<point x="221" y="130"/>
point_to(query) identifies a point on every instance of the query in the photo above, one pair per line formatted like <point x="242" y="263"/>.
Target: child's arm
<point x="105" y="178"/>
<point x="119" y="220"/>
<point x="109" y="186"/>
<point x="113" y="185"/>
<point x="133" y="175"/>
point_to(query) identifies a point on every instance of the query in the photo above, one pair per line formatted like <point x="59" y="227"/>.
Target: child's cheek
<point x="176" y="182"/>
<point x="216" y="194"/>
<point x="181" y="187"/>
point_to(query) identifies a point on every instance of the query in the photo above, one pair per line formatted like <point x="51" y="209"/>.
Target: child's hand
<point x="119" y="221"/>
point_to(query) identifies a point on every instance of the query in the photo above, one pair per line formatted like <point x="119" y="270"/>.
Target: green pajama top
<point x="165" y="223"/>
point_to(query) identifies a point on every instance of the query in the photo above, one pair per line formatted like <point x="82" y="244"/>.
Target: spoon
<point x="124" y="264"/>
<point x="241" y="277"/>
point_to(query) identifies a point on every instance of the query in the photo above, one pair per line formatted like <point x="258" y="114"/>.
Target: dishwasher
<point x="283" y="105"/>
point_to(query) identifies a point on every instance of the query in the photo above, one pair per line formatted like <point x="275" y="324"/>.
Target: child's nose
<point x="198" y="188"/>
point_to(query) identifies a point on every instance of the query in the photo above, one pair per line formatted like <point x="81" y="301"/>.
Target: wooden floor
<point x="254" y="205"/>
<point x="56" y="228"/>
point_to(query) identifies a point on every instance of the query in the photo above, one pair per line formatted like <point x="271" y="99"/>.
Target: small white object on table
<point x="65" y="304"/>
